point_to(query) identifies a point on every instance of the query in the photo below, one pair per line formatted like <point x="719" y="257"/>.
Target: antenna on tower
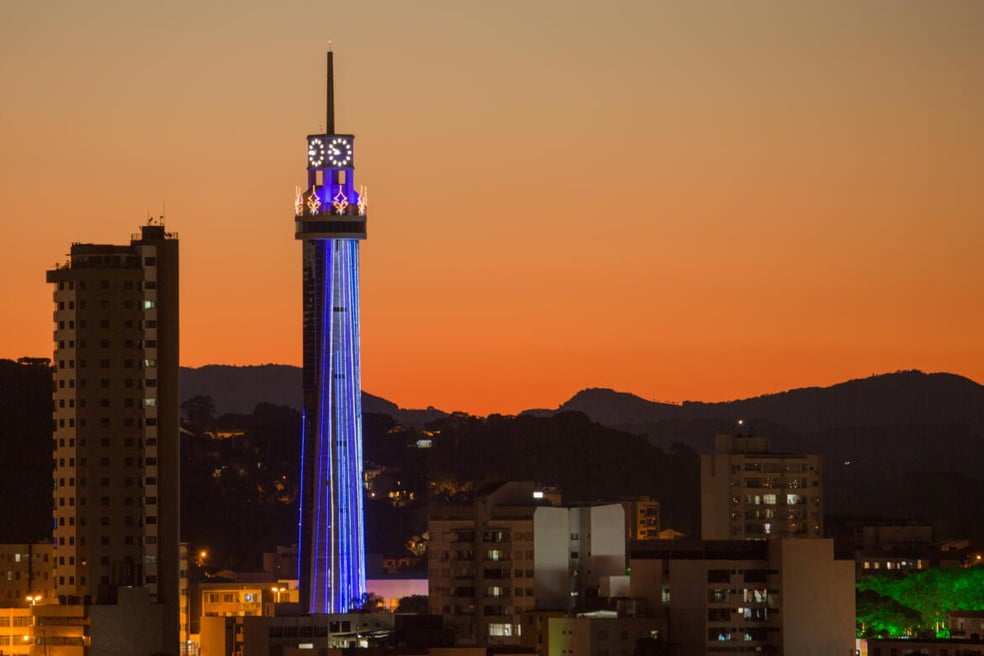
<point x="330" y="99"/>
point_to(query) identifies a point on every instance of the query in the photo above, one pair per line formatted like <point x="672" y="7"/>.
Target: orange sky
<point x="700" y="200"/>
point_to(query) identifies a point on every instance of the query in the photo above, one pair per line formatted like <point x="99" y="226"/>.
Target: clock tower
<point x="330" y="220"/>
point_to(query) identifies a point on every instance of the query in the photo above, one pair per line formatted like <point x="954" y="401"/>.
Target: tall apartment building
<point x="493" y="562"/>
<point x="750" y="493"/>
<point x="782" y="596"/>
<point x="116" y="416"/>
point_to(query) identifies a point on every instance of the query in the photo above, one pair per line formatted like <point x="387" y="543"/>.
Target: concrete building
<point x="966" y="624"/>
<point x="787" y="596"/>
<point x="599" y="635"/>
<point x="288" y="635"/>
<point x="16" y="631"/>
<point x="116" y="464"/>
<point x="749" y="493"/>
<point x="509" y="554"/>
<point x="641" y="518"/>
<point x="253" y="599"/>
<point x="129" y="626"/>
<point x="25" y="571"/>
<point x="897" y="547"/>
<point x="921" y="647"/>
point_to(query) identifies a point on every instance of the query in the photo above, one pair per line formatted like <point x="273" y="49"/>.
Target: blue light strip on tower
<point x="324" y="482"/>
<point x="300" y="494"/>
<point x="337" y="580"/>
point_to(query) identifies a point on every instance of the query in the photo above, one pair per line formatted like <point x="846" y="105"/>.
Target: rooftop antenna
<point x="330" y="99"/>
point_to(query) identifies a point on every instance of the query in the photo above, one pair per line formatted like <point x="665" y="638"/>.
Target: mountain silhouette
<point x="901" y="398"/>
<point x="238" y="390"/>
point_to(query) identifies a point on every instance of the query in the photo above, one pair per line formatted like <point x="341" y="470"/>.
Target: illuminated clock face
<point x="316" y="152"/>
<point x="340" y="151"/>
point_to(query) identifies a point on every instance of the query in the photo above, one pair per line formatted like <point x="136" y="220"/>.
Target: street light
<point x="33" y="600"/>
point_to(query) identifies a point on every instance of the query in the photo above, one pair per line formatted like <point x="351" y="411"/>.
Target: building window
<point x="719" y="595"/>
<point x="500" y="629"/>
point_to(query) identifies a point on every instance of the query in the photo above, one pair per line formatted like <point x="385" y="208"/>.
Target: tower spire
<point x="330" y="98"/>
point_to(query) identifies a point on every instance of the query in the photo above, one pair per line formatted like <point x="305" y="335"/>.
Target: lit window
<point x="149" y="305"/>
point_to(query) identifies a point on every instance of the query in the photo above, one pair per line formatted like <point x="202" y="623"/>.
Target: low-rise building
<point x="920" y="647"/>
<point x="966" y="624"/>
<point x="252" y="599"/>
<point x="132" y="625"/>
<point x="288" y="635"/>
<point x="597" y="634"/>
<point x="641" y="518"/>
<point x="16" y="631"/>
<point x="511" y="552"/>
<point x="789" y="596"/>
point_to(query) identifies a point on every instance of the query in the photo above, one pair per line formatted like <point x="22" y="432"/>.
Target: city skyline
<point x="680" y="202"/>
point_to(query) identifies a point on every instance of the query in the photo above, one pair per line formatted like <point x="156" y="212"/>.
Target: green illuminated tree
<point x="932" y="593"/>
<point x="881" y="617"/>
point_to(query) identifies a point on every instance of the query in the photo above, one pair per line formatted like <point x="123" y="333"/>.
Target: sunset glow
<point x="684" y="201"/>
